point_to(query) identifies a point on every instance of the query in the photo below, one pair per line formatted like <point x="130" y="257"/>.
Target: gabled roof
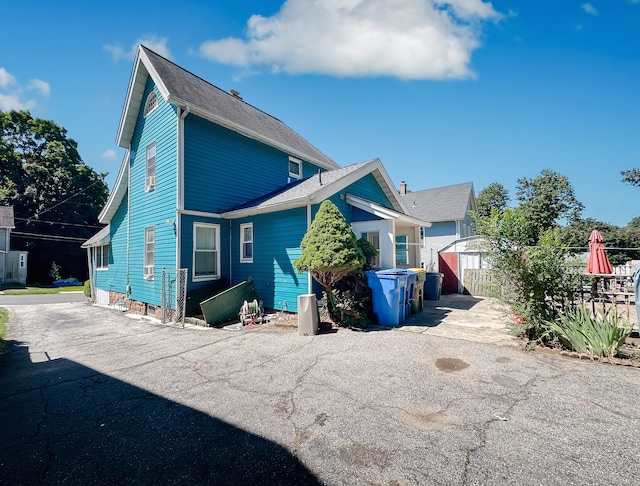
<point x="102" y="237"/>
<point x="317" y="188"/>
<point x="6" y="217"/>
<point x="189" y="92"/>
<point x="449" y="203"/>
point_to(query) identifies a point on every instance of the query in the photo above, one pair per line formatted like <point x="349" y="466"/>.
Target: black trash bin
<point x="433" y="285"/>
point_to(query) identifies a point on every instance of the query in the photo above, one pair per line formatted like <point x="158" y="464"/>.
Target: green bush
<point x="87" y="289"/>
<point x="600" y="335"/>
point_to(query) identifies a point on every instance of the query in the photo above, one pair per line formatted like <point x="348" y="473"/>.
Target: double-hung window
<point x="402" y="250"/>
<point x="206" y="254"/>
<point x="246" y="243"/>
<point x="150" y="171"/>
<point x="102" y="257"/>
<point x="149" y="251"/>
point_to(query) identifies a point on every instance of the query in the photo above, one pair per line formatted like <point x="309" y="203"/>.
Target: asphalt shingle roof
<point x="447" y="203"/>
<point x="201" y="94"/>
<point x="301" y="189"/>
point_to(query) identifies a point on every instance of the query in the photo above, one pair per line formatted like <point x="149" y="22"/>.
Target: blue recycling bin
<point x="392" y="294"/>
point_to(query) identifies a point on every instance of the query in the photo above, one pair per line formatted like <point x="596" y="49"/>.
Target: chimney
<point x="235" y="93"/>
<point x="403" y="188"/>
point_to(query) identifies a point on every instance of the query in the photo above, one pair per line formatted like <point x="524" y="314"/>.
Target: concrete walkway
<point x="456" y="316"/>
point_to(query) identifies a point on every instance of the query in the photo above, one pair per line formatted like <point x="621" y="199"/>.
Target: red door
<point x="448" y="263"/>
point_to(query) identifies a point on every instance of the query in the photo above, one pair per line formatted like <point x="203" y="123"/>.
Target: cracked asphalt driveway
<point x="90" y="396"/>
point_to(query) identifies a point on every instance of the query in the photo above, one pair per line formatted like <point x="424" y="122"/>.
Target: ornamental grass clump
<point x="597" y="335"/>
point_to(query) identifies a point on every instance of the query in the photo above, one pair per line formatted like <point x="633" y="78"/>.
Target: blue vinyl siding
<point x="444" y="228"/>
<point x="368" y="188"/>
<point x="115" y="277"/>
<point x="157" y="206"/>
<point x="276" y="245"/>
<point x="224" y="169"/>
<point x="358" y="214"/>
<point x="186" y="251"/>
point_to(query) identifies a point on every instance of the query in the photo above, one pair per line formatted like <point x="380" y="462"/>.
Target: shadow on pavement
<point x="65" y="423"/>
<point x="435" y="312"/>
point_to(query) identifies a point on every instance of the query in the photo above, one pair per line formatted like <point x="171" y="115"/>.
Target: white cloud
<point x="590" y="9"/>
<point x="12" y="93"/>
<point x="39" y="85"/>
<point x="6" y="78"/>
<point x="109" y="154"/>
<point x="409" y="39"/>
<point x="154" y="43"/>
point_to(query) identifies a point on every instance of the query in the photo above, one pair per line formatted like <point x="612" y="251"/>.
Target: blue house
<point x="216" y="186"/>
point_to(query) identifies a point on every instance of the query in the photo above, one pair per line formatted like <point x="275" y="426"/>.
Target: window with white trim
<point x="246" y="243"/>
<point x="402" y="250"/>
<point x="295" y="168"/>
<point x="151" y="103"/>
<point x="102" y="257"/>
<point x="149" y="251"/>
<point x="150" y="172"/>
<point x="206" y="256"/>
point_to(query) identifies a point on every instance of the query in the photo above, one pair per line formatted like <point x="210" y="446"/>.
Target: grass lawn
<point x="43" y="290"/>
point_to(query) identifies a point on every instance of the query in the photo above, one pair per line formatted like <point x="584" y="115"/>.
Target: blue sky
<point x="443" y="92"/>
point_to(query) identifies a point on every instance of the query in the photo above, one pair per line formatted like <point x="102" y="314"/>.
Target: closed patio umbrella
<point x="598" y="262"/>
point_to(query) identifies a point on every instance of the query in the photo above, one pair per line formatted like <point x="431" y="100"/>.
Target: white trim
<point x="117" y="192"/>
<point x="148" y="268"/>
<point x="384" y="213"/>
<point x="309" y="276"/>
<point x="101" y="249"/>
<point x="243" y="242"/>
<point x="202" y="278"/>
<point x="150" y="177"/>
<point x="200" y="214"/>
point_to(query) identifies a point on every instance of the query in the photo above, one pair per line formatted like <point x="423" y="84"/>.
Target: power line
<point x="64" y="201"/>
<point x="39" y="236"/>
<point x="56" y="222"/>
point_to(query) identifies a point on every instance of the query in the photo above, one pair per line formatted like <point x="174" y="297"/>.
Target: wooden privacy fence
<point x="480" y="282"/>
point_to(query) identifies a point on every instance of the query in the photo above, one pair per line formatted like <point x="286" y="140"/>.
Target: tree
<point x="631" y="177"/>
<point x="329" y="249"/>
<point x="495" y="196"/>
<point x="619" y="241"/>
<point x="547" y="200"/>
<point x="55" y="195"/>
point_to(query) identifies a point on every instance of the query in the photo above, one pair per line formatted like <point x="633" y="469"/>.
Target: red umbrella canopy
<point x="598" y="262"/>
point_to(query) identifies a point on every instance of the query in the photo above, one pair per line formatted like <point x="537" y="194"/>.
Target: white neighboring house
<point x="13" y="264"/>
<point x="448" y="210"/>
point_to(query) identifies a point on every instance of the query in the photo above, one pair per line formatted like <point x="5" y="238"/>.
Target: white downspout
<point x="309" y="277"/>
<point x="127" y="290"/>
<point x="180" y="183"/>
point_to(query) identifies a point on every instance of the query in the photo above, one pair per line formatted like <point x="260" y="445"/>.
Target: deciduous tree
<point x="493" y="197"/>
<point x="55" y="195"/>
<point x="547" y="200"/>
